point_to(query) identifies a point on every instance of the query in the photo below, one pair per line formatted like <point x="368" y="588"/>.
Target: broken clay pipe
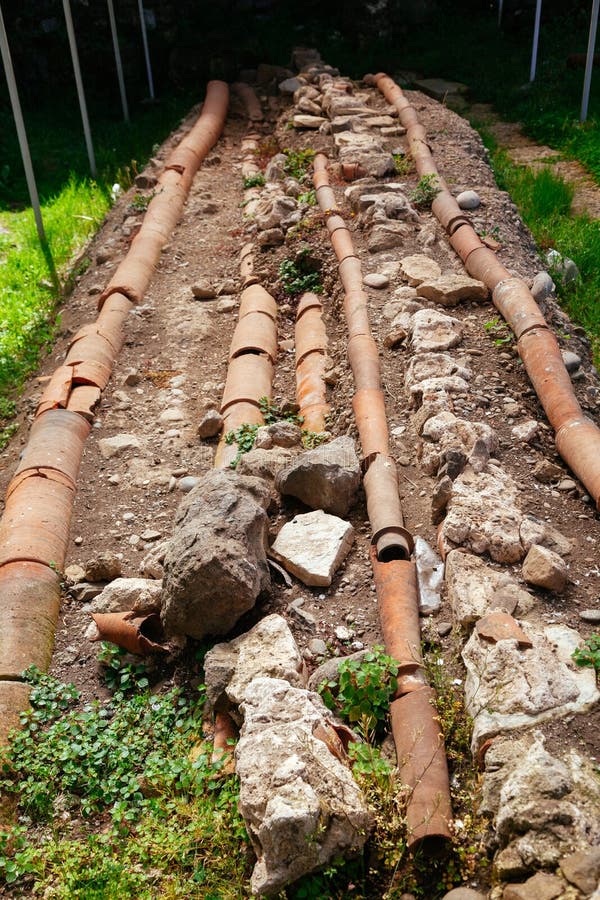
<point x="141" y="635"/>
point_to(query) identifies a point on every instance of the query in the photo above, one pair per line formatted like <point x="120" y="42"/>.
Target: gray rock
<point x="582" y="869"/>
<point x="272" y="237"/>
<point x="446" y="433"/>
<point x="329" y="670"/>
<point x="388" y="236"/>
<point x="450" y="288"/>
<point x="86" y="591"/>
<point x="300" y="802"/>
<point x="546" y="472"/>
<point x="151" y="565"/>
<point x="325" y="478"/>
<point x="268" y="650"/>
<point x="187" y="483"/>
<point x="542" y="287"/>
<point x="539" y="887"/>
<point x="313" y="546"/>
<point x="274" y="212"/>
<point x="317" y="647"/>
<point x="141" y="594"/>
<point x="419" y="268"/>
<point x="439" y="499"/>
<point x="264" y="463"/>
<point x="545" y="569"/>
<point x="104" y="567"/>
<point x="432" y="330"/>
<point x="303" y="121"/>
<point x="111" y="447"/>
<point x="564" y="267"/>
<point x="290" y="85"/>
<point x="285" y="434"/>
<point x="483" y="515"/>
<point x="536" y="531"/>
<point x="525" y="431"/>
<point x="567" y="484"/>
<point x="275" y="170"/>
<point x="374" y="280"/>
<point x="475" y="589"/>
<point x="468" y="200"/>
<point x="210" y="424"/>
<point x="216" y="565"/>
<point x="463" y="893"/>
<point x="204" y="291"/>
<point x="590" y="615"/>
<point x="544" y="681"/>
<point x="571" y="360"/>
<point x="430" y="576"/>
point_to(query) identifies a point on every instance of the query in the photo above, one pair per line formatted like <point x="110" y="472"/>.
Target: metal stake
<point x="146" y="51"/>
<point x="589" y="62"/>
<point x="115" y="40"/>
<point x="79" y="83"/>
<point x="536" y="39"/>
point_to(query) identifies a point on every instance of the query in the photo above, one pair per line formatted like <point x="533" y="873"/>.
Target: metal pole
<point x="146" y="51"/>
<point x="79" y="83"/>
<point x="589" y="62"/>
<point x="21" y="133"/>
<point x="115" y="40"/>
<point x="536" y="38"/>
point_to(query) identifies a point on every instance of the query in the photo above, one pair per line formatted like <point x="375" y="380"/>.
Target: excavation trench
<point x="577" y="437"/>
<point x="34" y="530"/>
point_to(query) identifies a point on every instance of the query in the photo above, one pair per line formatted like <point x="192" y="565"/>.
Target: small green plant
<point x="308" y="198"/>
<point x="251" y="181"/>
<point x="403" y="163"/>
<point x="141" y="202"/>
<point x="499" y="331"/>
<point x="298" y="162"/>
<point x="426" y="191"/>
<point x="122" y="677"/>
<point x="299" y="275"/>
<point x="363" y="690"/>
<point x="244" y="436"/>
<point x="312" y="439"/>
<point x="589" y="654"/>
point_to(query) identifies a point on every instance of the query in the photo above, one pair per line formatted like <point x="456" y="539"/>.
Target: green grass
<point x="544" y="201"/>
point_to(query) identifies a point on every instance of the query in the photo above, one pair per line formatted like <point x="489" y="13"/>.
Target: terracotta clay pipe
<point x="311" y="347"/>
<point x="250" y="101"/>
<point x="34" y="528"/>
<point x="415" y="727"/>
<point x="577" y="437"/>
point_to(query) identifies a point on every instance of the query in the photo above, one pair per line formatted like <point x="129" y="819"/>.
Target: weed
<point x="362" y="691"/>
<point x="121" y="677"/>
<point x="499" y="331"/>
<point x="251" y="181"/>
<point x="589" y="654"/>
<point x="403" y="163"/>
<point x="312" y="439"/>
<point x="244" y="436"/>
<point x="141" y="202"/>
<point x="298" y="162"/>
<point x="426" y="191"/>
<point x="299" y="275"/>
<point x="308" y="198"/>
<point x="121" y="807"/>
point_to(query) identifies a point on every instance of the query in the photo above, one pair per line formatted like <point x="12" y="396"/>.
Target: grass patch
<point x="544" y="201"/>
<point x="28" y="299"/>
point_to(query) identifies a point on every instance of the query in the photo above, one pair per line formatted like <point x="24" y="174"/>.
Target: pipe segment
<point x="34" y="529"/>
<point x="311" y="347"/>
<point x="415" y="727"/>
<point x="577" y="438"/>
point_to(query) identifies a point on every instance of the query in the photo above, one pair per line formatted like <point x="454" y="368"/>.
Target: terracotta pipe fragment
<point x="35" y="523"/>
<point x="364" y="360"/>
<point x="56" y="442"/>
<point x="397" y="586"/>
<point x="390" y="538"/>
<point x="139" y="634"/>
<point x="30" y="594"/>
<point x="369" y="412"/>
<point x="311" y="346"/>
<point x="256" y="299"/>
<point x="254" y="333"/>
<point x="225" y="734"/>
<point x="250" y="101"/>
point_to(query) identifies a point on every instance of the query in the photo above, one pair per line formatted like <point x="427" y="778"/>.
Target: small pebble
<point x="78" y="541"/>
<point x="317" y="647"/>
<point x="151" y="535"/>
<point x="567" y="484"/>
<point x="444" y="628"/>
<point x="468" y="200"/>
<point x="590" y="615"/>
<point x="186" y="484"/>
<point x="342" y="633"/>
<point x="376" y="281"/>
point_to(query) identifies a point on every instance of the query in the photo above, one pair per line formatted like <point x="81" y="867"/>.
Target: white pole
<point x="115" y="40"/>
<point x="21" y="133"/>
<point x="146" y="51"/>
<point x="536" y="38"/>
<point x="500" y="6"/>
<point x="80" y="92"/>
<point x="589" y="62"/>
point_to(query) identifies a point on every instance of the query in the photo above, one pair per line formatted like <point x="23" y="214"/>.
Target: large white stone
<point x="301" y="804"/>
<point x="419" y="268"/>
<point x="433" y="330"/>
<point x="507" y="688"/>
<point x="313" y="545"/>
<point x="475" y="588"/>
<point x="452" y="287"/>
<point x="483" y="515"/>
<point x="117" y="445"/>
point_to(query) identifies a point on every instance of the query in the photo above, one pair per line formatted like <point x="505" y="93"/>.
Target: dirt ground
<point x="174" y="362"/>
